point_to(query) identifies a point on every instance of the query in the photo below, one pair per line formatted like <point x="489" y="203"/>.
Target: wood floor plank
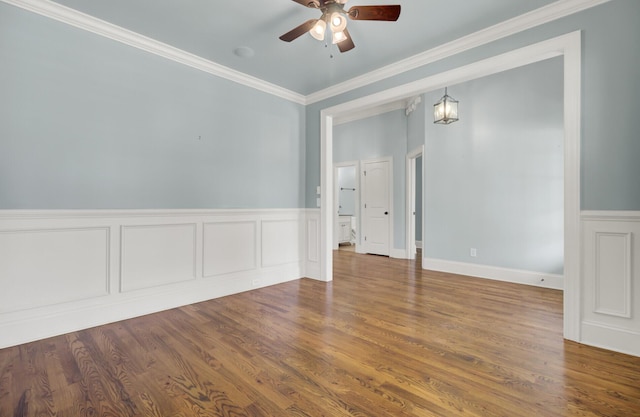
<point x="9" y="358"/>
<point x="385" y="338"/>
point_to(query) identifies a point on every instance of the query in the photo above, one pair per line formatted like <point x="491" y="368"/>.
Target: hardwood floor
<point x="385" y="338"/>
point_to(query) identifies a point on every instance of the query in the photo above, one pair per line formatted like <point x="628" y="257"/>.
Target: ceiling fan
<point x="333" y="15"/>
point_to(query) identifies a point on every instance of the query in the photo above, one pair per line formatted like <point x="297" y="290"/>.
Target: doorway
<point x="346" y="190"/>
<point x="414" y="203"/>
<point x="569" y="47"/>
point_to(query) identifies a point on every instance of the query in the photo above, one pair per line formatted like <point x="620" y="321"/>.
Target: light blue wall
<point x="374" y="137"/>
<point x="89" y="123"/>
<point x="609" y="143"/>
<point x="494" y="179"/>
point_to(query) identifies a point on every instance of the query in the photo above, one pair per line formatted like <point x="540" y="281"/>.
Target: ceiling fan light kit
<point x="338" y="22"/>
<point x="339" y="37"/>
<point x="319" y="29"/>
<point x="334" y="15"/>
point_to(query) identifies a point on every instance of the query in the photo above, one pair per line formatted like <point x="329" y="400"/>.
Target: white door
<point x="376" y="207"/>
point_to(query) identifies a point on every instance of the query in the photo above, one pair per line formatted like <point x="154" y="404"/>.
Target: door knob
<point x="386" y="212"/>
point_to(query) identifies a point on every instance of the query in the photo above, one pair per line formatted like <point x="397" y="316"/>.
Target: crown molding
<point x="545" y="14"/>
<point x="537" y="17"/>
<point x="108" y="30"/>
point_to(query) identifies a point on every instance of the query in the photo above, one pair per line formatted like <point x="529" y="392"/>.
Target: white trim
<point x="326" y="196"/>
<point x="410" y="180"/>
<point x="493" y="33"/>
<point x="108" y="30"/>
<point x="572" y="50"/>
<point x="537" y="279"/>
<point x="614" y="215"/>
<point x="611" y="338"/>
<point x="568" y="45"/>
<point x="542" y="15"/>
<point x="128" y="213"/>
<point x="419" y="244"/>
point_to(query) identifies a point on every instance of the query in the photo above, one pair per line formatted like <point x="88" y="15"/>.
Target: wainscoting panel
<point x="312" y="261"/>
<point x="611" y="280"/>
<point x="281" y="242"/>
<point x="612" y="275"/>
<point x="229" y="247"/>
<point x="62" y="271"/>
<point x="46" y="267"/>
<point x="154" y="255"/>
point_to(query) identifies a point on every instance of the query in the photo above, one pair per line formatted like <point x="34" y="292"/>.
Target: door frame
<point x="388" y="159"/>
<point x="411" y="200"/>
<point x="336" y="200"/>
<point x="569" y="46"/>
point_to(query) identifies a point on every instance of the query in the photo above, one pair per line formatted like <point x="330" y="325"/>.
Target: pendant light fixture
<point x="445" y="111"/>
<point x="318" y="30"/>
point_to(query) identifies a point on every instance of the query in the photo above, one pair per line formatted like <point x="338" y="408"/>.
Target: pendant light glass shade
<point x="445" y="111"/>
<point x="318" y="30"/>
<point x="339" y="37"/>
<point x="338" y="22"/>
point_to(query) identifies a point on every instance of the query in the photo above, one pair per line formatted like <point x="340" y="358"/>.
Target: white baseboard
<point x="419" y="244"/>
<point x="62" y="271"/>
<point x="610" y="338"/>
<point x="495" y="273"/>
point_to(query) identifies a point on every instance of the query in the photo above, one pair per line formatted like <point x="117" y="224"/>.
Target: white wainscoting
<point x="62" y="271"/>
<point x="611" y="280"/>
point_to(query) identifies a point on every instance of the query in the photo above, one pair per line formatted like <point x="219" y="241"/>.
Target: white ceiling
<point x="213" y="29"/>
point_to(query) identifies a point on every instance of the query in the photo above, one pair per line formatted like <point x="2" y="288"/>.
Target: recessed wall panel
<point x="613" y="274"/>
<point x="47" y="267"/>
<point x="229" y="247"/>
<point x="313" y="254"/>
<point x="280" y="242"/>
<point x="157" y="255"/>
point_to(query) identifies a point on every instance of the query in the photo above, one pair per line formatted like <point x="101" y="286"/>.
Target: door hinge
<point x="365" y="238"/>
<point x="365" y="173"/>
<point x="365" y="205"/>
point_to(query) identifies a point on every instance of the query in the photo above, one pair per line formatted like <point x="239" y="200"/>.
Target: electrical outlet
<point x="473" y="252"/>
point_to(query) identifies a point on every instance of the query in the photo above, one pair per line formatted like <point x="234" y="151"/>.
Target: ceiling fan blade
<point x="347" y="44"/>
<point x="387" y="13"/>
<point x="314" y="4"/>
<point x="298" y="31"/>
